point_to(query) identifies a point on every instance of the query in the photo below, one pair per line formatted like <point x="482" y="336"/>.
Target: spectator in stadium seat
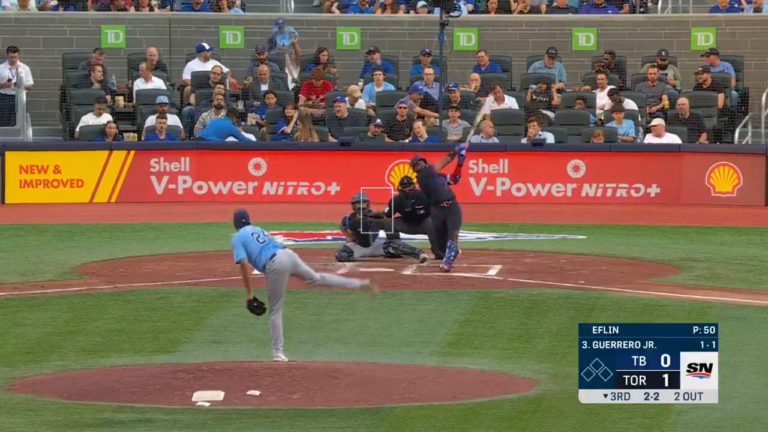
<point x="203" y="62"/>
<point x="485" y="65"/>
<point x="161" y="131"/>
<point x="492" y="8"/>
<point x="692" y="121"/>
<point x="422" y="8"/>
<point x="196" y="6"/>
<point x="116" y="6"/>
<point x="146" y="80"/>
<point x="218" y="88"/>
<point x="615" y="98"/>
<point x="544" y="97"/>
<point x="426" y="61"/>
<point x="374" y="61"/>
<point x="305" y="131"/>
<point x="340" y="119"/>
<point x="97" y="58"/>
<point x="216" y="76"/>
<point x="659" y="134"/>
<point x="621" y="5"/>
<point x="725" y="7"/>
<point x="712" y="57"/>
<point x="428" y="82"/>
<point x="284" y="133"/>
<point x="109" y="133"/>
<point x="219" y="111"/>
<point x="456" y="98"/>
<point x="322" y="61"/>
<point x="258" y="59"/>
<point x="601" y="92"/>
<point x="10" y="70"/>
<point x="453" y="125"/>
<point x="331" y="6"/>
<point x="655" y="93"/>
<point x="388" y="7"/>
<point x="378" y="84"/>
<point x="153" y="61"/>
<point x="581" y="104"/>
<point x="670" y="71"/>
<point x="312" y="94"/>
<point x="225" y="6"/>
<point x="18" y="5"/>
<point x="498" y="100"/>
<point x="270" y="102"/>
<point x="486" y="135"/>
<point x="524" y="7"/>
<point x="162" y="107"/>
<point x="58" y="6"/>
<point x="598" y="137"/>
<point x="355" y="98"/>
<point x="423" y="105"/>
<point x="362" y="7"/>
<point x="704" y="82"/>
<point x="145" y="6"/>
<point x="551" y="66"/>
<point x="476" y="85"/>
<point x="598" y="7"/>
<point x="96" y="81"/>
<point x="626" y="128"/>
<point x="99" y="116"/>
<point x="756" y="7"/>
<point x="562" y="7"/>
<point x="399" y="127"/>
<point x="620" y="70"/>
<point x="374" y="133"/>
<point x="534" y="132"/>
<point x="420" y="134"/>
<point x="222" y="127"/>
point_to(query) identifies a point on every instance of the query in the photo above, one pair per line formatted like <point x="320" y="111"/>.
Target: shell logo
<point x="724" y="179"/>
<point x="397" y="171"/>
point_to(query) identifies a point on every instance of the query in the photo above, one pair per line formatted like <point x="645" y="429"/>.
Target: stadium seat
<point x="519" y="97"/>
<point x="506" y="63"/>
<point x="253" y="130"/>
<point x="172" y="129"/>
<point x="560" y="134"/>
<point x="611" y="134"/>
<point x="278" y="59"/>
<point x="489" y="79"/>
<point x="395" y="60"/>
<point x="574" y="121"/>
<point x="147" y="97"/>
<point x="530" y="79"/>
<point x="680" y="131"/>
<point x="739" y="66"/>
<point x="322" y="133"/>
<point x="706" y="103"/>
<point x="285" y="97"/>
<point x="568" y="100"/>
<point x="71" y="61"/>
<point x="388" y="98"/>
<point x="90" y="133"/>
<point x="508" y="122"/>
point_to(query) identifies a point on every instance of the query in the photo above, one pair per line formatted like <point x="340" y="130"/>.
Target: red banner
<point x="525" y="177"/>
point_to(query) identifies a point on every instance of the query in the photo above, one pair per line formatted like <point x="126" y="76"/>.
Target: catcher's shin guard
<point x="399" y="248"/>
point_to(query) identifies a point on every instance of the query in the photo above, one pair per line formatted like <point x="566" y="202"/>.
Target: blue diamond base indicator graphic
<point x="596" y="368"/>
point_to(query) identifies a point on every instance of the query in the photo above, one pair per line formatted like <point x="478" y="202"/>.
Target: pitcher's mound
<point x="295" y="384"/>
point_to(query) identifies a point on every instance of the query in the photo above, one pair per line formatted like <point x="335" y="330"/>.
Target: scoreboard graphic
<point x="648" y="363"/>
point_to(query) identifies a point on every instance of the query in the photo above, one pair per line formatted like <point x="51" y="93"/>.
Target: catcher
<point x="361" y="228"/>
<point x="414" y="210"/>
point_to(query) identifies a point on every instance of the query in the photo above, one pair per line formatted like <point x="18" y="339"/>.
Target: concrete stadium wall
<point x="44" y="37"/>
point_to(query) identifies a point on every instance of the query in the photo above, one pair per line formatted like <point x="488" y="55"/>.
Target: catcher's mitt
<point x="256" y="307"/>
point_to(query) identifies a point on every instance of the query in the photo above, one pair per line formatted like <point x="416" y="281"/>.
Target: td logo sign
<point x="113" y="36"/>
<point x="232" y="37"/>
<point x="703" y="38"/>
<point x="465" y="39"/>
<point x="348" y="38"/>
<point x="584" y="39"/>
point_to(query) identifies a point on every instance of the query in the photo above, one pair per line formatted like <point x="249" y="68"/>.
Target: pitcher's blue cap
<point x="241" y="219"/>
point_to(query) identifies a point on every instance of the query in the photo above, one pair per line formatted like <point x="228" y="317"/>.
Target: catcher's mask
<point x="406" y="184"/>
<point x="360" y="201"/>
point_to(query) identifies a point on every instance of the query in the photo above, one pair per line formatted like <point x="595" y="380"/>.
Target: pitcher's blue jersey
<point x="255" y="245"/>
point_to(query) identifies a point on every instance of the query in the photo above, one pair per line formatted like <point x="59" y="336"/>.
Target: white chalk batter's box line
<point x="418" y="269"/>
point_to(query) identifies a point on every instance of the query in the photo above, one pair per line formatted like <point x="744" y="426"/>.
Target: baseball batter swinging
<point x="252" y="245"/>
<point x="361" y="228"/>
<point x="446" y="212"/>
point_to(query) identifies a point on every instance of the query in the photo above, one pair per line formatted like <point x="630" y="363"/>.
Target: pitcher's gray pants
<point x="284" y="265"/>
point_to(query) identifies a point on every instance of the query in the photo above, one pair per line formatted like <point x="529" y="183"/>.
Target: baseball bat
<point x="478" y="119"/>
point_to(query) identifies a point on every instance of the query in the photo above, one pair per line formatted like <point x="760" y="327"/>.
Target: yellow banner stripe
<point x="109" y="178"/>
<point x="121" y="180"/>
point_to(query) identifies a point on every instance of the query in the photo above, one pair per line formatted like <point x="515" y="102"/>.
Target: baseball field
<point x="113" y="316"/>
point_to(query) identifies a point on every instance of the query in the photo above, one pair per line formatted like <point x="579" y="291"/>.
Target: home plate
<point x="208" y="395"/>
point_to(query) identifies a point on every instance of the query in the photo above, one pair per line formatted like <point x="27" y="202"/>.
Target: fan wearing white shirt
<point x="99" y="116"/>
<point x="10" y="71"/>
<point x="163" y="105"/>
<point x="615" y="98"/>
<point x="601" y="91"/>
<point x="659" y="134"/>
<point x="498" y="100"/>
<point x="203" y="62"/>
<point x="147" y="80"/>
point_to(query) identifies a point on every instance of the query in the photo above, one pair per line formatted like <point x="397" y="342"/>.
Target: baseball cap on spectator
<point x="452" y="87"/>
<point x="426" y="51"/>
<point x="377" y="122"/>
<point x="702" y="70"/>
<point x="657" y="122"/>
<point x="402" y="102"/>
<point x="354" y="91"/>
<point x="203" y="47"/>
<point x="340" y="99"/>
<point x="711" y="52"/>
<point x="422" y="3"/>
<point x="280" y="22"/>
<point x="454" y="107"/>
<point x="372" y="50"/>
<point x="551" y="52"/>
<point x="416" y="89"/>
<point x="162" y="100"/>
<point x="662" y="54"/>
<point x="261" y="49"/>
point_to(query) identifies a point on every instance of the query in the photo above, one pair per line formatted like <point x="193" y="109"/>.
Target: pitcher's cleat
<point x="280" y="357"/>
<point x="423" y="258"/>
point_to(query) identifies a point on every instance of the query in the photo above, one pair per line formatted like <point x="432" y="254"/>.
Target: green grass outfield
<point x="525" y="332"/>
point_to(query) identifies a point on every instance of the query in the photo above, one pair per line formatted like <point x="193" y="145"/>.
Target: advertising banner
<point x="326" y="176"/>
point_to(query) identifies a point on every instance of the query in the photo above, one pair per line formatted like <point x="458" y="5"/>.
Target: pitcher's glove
<point x="256" y="307"/>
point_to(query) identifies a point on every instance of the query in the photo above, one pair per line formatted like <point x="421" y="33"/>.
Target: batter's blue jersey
<point x="255" y="245"/>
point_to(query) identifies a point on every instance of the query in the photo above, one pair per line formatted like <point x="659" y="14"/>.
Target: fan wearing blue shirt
<point x="598" y="7"/>
<point x="725" y="7"/>
<point x="374" y="61"/>
<point x="360" y="7"/>
<point x="626" y="128"/>
<point x="161" y="130"/>
<point x="219" y="129"/>
<point x="420" y="134"/>
<point x="196" y="6"/>
<point x="485" y="65"/>
<point x="426" y="61"/>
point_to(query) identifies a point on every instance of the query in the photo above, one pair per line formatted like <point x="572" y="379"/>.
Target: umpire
<point x="414" y="210"/>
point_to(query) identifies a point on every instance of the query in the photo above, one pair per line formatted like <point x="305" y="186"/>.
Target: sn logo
<point x="699" y="370"/>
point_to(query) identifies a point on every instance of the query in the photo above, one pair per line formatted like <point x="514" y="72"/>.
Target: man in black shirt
<point x="446" y="213"/>
<point x="704" y="82"/>
<point x="340" y="119"/>
<point x="414" y="210"/>
<point x="399" y="127"/>
<point x="693" y="122"/>
<point x="361" y="228"/>
<point x="561" y="7"/>
<point x="453" y="96"/>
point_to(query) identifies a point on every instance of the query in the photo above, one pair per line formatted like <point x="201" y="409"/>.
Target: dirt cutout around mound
<point x="475" y="269"/>
<point x="282" y="385"/>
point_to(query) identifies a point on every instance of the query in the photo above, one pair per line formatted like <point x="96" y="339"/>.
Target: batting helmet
<point x="406" y="183"/>
<point x="416" y="159"/>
